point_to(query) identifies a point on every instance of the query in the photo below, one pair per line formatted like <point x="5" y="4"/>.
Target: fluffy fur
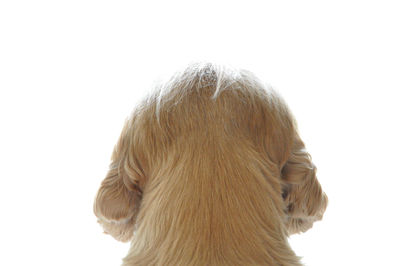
<point x="210" y="170"/>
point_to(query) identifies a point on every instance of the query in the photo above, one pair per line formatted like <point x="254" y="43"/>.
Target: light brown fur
<point x="210" y="170"/>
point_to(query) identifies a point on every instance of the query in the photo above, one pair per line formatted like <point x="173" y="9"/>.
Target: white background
<point x="71" y="71"/>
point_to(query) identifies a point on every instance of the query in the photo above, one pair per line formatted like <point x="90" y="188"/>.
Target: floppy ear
<point x="304" y="199"/>
<point x="118" y="199"/>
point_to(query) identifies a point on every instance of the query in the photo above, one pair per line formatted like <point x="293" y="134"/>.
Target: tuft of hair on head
<point x="199" y="75"/>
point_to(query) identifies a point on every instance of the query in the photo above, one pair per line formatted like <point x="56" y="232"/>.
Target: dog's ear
<point x="118" y="199"/>
<point x="303" y="196"/>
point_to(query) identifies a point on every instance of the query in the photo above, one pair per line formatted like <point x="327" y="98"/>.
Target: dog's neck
<point x="208" y="210"/>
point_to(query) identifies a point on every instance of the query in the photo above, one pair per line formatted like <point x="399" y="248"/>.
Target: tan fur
<point x="210" y="170"/>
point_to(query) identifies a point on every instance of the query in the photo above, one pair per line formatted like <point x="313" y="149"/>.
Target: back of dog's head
<point x="207" y="103"/>
<point x="210" y="164"/>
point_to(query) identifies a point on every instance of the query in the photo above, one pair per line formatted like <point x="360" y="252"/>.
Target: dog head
<point x="201" y="108"/>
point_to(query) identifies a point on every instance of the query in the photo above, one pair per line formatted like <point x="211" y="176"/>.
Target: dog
<point x="210" y="170"/>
